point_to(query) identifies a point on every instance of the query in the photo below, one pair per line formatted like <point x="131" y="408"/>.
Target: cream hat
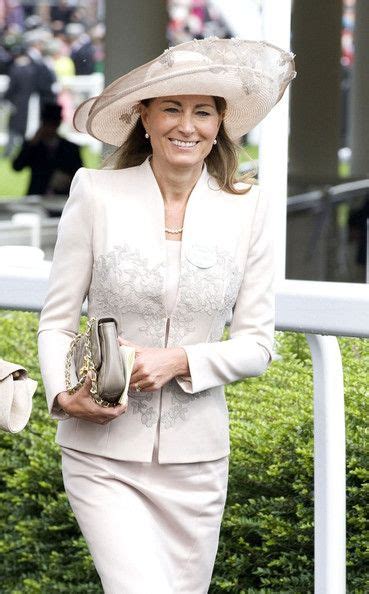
<point x="16" y="391"/>
<point x="251" y="76"/>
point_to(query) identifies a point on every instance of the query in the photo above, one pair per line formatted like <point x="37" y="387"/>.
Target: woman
<point x="173" y="248"/>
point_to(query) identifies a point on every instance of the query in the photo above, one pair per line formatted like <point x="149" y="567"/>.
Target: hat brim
<point x="81" y="115"/>
<point x="249" y="94"/>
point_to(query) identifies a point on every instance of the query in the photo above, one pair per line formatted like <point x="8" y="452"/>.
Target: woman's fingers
<point x="87" y="385"/>
<point x="86" y="408"/>
<point x="142" y="385"/>
<point x="101" y="415"/>
<point x="123" y="341"/>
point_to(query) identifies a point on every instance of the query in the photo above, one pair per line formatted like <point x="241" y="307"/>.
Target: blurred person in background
<point x="60" y="36"/>
<point x="29" y="7"/>
<point x="53" y="160"/>
<point x="5" y="59"/>
<point x="61" y="12"/>
<point x="63" y="64"/>
<point x="3" y="13"/>
<point x="97" y="34"/>
<point x="197" y="19"/>
<point x="45" y="75"/>
<point x="22" y="83"/>
<point x="80" y="16"/>
<point x="32" y="22"/>
<point x="63" y="67"/>
<point x="82" y="51"/>
<point x="16" y="14"/>
<point x="358" y="221"/>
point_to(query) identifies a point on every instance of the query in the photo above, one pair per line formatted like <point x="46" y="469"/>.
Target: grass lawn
<point x="14" y="183"/>
<point x="249" y="152"/>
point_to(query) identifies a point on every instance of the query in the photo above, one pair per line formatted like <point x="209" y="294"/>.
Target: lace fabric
<point x="124" y="281"/>
<point x="253" y="62"/>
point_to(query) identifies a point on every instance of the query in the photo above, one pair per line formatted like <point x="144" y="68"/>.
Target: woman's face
<point x="182" y="128"/>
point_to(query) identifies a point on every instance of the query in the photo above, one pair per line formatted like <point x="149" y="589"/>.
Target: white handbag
<point x="16" y="391"/>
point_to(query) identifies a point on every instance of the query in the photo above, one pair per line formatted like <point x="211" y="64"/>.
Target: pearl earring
<point x="147" y="135"/>
<point x="215" y="141"/>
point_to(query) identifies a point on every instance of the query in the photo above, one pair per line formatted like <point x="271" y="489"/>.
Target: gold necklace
<point x="167" y="230"/>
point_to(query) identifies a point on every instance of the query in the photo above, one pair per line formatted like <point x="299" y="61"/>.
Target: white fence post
<point x="329" y="466"/>
<point x="29" y="220"/>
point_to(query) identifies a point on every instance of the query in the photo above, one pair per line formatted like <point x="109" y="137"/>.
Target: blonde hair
<point x="222" y="161"/>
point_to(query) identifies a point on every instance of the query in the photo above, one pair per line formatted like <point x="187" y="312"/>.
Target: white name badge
<point x="201" y="256"/>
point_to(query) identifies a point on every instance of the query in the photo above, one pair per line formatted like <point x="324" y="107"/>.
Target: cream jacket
<point x="111" y="248"/>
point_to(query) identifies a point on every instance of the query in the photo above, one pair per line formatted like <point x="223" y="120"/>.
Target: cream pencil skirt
<point x="151" y="528"/>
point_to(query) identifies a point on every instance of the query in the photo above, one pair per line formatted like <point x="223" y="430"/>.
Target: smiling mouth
<point x="184" y="143"/>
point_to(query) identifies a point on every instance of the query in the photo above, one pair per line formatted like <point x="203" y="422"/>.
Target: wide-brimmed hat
<point x="251" y="76"/>
<point x="16" y="391"/>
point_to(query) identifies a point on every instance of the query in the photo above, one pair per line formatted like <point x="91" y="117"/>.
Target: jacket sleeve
<point x="249" y="349"/>
<point x="69" y="283"/>
<point x="25" y="157"/>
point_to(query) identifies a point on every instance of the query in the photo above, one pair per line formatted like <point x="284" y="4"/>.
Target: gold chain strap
<point x="88" y="365"/>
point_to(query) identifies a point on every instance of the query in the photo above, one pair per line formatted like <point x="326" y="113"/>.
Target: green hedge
<point x="266" y="542"/>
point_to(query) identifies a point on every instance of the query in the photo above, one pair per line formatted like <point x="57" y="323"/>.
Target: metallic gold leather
<point x="98" y="350"/>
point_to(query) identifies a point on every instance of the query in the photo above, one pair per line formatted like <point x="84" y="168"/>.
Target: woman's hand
<point x="154" y="367"/>
<point x="81" y="405"/>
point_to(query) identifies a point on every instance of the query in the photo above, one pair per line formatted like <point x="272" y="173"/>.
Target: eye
<point x="203" y="114"/>
<point x="171" y="109"/>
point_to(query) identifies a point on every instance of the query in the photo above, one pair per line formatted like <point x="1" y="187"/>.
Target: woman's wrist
<point x="62" y="401"/>
<point x="181" y="367"/>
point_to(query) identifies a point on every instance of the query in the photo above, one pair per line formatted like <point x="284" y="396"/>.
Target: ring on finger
<point x="137" y="387"/>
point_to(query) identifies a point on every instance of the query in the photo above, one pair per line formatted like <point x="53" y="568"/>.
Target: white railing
<point x="17" y="231"/>
<point x="88" y="85"/>
<point x="322" y="311"/>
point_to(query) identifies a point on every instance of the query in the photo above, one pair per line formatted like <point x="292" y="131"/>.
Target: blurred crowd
<point x="40" y="44"/>
<point x="189" y="19"/>
<point x="70" y="35"/>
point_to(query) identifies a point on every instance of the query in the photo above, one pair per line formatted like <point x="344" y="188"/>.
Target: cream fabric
<point x="111" y="246"/>
<point x="173" y="272"/>
<point x="16" y="392"/>
<point x="251" y="76"/>
<point x="149" y="527"/>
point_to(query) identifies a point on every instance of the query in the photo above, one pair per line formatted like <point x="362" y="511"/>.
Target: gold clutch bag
<point x="97" y="350"/>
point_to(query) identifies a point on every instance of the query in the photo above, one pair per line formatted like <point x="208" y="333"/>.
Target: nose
<point x="186" y="124"/>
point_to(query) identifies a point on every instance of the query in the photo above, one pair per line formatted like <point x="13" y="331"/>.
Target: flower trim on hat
<point x="128" y="117"/>
<point x="231" y="55"/>
<point x="166" y="58"/>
